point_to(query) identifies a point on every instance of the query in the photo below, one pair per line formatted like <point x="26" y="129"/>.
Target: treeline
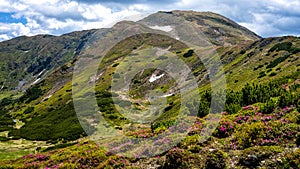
<point x="279" y="93"/>
<point x="273" y="94"/>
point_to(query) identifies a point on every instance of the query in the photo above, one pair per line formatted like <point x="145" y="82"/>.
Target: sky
<point x="31" y="17"/>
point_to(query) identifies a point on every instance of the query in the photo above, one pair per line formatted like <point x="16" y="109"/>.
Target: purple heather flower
<point x="223" y="128"/>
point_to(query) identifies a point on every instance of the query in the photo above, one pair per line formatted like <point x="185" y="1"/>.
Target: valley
<point x="159" y="98"/>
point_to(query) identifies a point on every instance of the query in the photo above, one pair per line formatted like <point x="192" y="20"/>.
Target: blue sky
<point x="8" y="17"/>
<point x="31" y="17"/>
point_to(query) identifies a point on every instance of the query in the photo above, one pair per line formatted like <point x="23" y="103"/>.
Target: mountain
<point x="26" y="59"/>
<point x="260" y="123"/>
<point x="218" y="29"/>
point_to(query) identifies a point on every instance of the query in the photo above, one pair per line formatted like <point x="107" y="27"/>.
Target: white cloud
<point x="266" y="18"/>
<point x="4" y="37"/>
<point x="8" y="31"/>
<point x="57" y="17"/>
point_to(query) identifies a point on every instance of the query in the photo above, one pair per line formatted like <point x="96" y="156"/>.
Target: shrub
<point x="261" y="74"/>
<point x="251" y="157"/>
<point x="242" y="52"/>
<point x="258" y="67"/>
<point x="176" y="158"/>
<point x="189" y="53"/>
<point x="216" y="159"/>
<point x="4" y="138"/>
<point x="264" y="133"/>
<point x="59" y="124"/>
<point x="64" y="67"/>
<point x="292" y="159"/>
<point x="273" y="74"/>
<point x="116" y="64"/>
<point x="277" y="61"/>
<point x="5" y="102"/>
<point x="31" y="94"/>
<point x="162" y="58"/>
<point x="269" y="106"/>
<point x="28" y="110"/>
<point x="281" y="46"/>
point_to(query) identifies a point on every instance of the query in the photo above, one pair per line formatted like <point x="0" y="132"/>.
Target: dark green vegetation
<point x="26" y="59"/>
<point x="260" y="126"/>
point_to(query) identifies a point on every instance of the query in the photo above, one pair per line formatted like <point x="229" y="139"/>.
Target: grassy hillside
<point x="218" y="29"/>
<point x="264" y="133"/>
<point x="26" y="59"/>
<point x="260" y="124"/>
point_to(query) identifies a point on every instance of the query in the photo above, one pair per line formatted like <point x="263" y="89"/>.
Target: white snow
<point x="36" y="81"/>
<point x="162" y="28"/>
<point x="167" y="95"/>
<point x="41" y="73"/>
<point x="154" y="77"/>
<point x="48" y="97"/>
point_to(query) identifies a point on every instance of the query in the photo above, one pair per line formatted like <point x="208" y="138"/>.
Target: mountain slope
<point x="26" y="59"/>
<point x="218" y="29"/>
<point x="55" y="93"/>
<point x="260" y="122"/>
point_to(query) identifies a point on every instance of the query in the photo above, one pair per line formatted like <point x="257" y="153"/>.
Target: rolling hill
<point x="47" y="80"/>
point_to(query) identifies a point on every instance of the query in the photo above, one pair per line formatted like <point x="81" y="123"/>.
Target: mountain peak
<point x="218" y="29"/>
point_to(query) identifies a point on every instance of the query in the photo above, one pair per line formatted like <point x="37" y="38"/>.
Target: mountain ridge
<point x="40" y="61"/>
<point x="261" y="108"/>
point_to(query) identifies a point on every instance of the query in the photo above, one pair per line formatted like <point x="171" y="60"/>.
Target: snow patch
<point x="41" y="72"/>
<point x="167" y="95"/>
<point x="3" y="84"/>
<point x="36" y="81"/>
<point x="48" y="97"/>
<point x="162" y="28"/>
<point x="154" y="77"/>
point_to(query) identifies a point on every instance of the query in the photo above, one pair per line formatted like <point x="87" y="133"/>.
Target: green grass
<point x="54" y="119"/>
<point x="12" y="155"/>
<point x="14" y="149"/>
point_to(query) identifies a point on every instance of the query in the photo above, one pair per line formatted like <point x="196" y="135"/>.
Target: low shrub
<point x="216" y="159"/>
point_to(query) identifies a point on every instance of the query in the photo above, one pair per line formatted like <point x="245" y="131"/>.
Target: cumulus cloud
<point x="266" y="18"/>
<point x="59" y="16"/>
